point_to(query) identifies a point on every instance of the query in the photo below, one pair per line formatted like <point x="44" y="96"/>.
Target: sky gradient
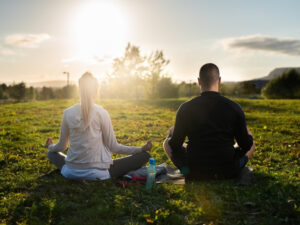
<point x="40" y="39"/>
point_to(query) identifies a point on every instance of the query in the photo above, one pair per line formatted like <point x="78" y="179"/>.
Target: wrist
<point x="143" y="148"/>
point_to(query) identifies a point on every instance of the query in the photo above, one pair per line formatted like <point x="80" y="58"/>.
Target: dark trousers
<point x="181" y="162"/>
<point x="119" y="167"/>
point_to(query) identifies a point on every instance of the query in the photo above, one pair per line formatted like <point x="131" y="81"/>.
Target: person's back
<point x="88" y="129"/>
<point x="87" y="147"/>
<point x="212" y="123"/>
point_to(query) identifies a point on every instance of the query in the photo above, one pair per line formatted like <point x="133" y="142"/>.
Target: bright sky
<point x="39" y="39"/>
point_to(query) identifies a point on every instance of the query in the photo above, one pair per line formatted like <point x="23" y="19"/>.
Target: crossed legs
<point x="57" y="158"/>
<point x="243" y="160"/>
<point x="119" y="167"/>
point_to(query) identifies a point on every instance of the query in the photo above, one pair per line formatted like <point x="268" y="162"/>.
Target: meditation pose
<point x="88" y="129"/>
<point x="212" y="124"/>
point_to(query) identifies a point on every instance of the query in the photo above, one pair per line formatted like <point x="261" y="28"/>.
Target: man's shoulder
<point x="232" y="104"/>
<point x="192" y="101"/>
<point x="189" y="103"/>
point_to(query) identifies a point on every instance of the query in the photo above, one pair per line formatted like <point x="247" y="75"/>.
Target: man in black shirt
<point x="212" y="124"/>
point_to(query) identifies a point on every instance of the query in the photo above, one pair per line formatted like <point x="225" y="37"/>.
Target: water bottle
<point x="151" y="174"/>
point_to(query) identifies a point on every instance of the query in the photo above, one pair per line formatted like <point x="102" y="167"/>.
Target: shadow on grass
<point x="59" y="201"/>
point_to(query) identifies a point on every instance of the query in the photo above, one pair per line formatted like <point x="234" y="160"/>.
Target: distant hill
<point x="261" y="82"/>
<point x="51" y="83"/>
<point x="278" y="72"/>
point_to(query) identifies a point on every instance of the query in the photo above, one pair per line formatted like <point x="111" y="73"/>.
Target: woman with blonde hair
<point x="89" y="130"/>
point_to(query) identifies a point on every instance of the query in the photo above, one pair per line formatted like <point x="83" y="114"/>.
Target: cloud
<point x="6" y="52"/>
<point x="89" y="59"/>
<point x="26" y="40"/>
<point x="287" y="46"/>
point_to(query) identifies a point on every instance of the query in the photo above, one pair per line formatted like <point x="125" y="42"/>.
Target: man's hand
<point x="171" y="131"/>
<point x="49" y="142"/>
<point x="147" y="146"/>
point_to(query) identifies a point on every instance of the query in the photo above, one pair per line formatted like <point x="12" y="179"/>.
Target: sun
<point x="99" y="30"/>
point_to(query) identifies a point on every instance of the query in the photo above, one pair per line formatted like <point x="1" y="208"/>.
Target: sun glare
<point x="99" y="30"/>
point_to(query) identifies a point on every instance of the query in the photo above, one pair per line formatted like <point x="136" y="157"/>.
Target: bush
<point x="167" y="89"/>
<point x="286" y="86"/>
<point x="17" y="91"/>
<point x="46" y="93"/>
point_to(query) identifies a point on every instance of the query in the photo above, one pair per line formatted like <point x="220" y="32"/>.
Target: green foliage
<point x="127" y="77"/>
<point x="31" y="194"/>
<point x="167" y="89"/>
<point x="248" y="88"/>
<point x="68" y="91"/>
<point x="20" y="92"/>
<point x="188" y="89"/>
<point x="46" y="93"/>
<point x="157" y="64"/>
<point x="17" y="91"/>
<point x="30" y="93"/>
<point x="240" y="89"/>
<point x="137" y="76"/>
<point x="286" y="86"/>
<point x="3" y="91"/>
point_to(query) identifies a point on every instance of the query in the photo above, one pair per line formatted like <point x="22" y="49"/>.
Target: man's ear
<point x="199" y="81"/>
<point x="220" y="80"/>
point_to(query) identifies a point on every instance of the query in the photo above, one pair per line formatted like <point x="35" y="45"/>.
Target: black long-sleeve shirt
<point x="212" y="123"/>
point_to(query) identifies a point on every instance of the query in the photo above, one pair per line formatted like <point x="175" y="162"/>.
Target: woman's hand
<point x="147" y="146"/>
<point x="49" y="142"/>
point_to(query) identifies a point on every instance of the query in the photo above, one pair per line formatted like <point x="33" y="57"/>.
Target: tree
<point x="128" y="73"/>
<point x="166" y="88"/>
<point x="30" y="93"/>
<point x="157" y="64"/>
<point x="248" y="88"/>
<point x="188" y="89"/>
<point x="46" y="93"/>
<point x="68" y="91"/>
<point x="17" y="91"/>
<point x="3" y="91"/>
<point x="135" y="75"/>
<point x="286" y="86"/>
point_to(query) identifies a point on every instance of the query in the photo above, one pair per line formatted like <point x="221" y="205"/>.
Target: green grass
<point x="29" y="197"/>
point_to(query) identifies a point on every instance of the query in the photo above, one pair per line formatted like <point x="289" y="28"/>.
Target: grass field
<point x="27" y="196"/>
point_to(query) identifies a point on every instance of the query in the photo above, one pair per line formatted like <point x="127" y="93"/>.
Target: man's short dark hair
<point x="209" y="74"/>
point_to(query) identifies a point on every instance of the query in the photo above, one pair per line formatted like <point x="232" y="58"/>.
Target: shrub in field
<point x="286" y="86"/>
<point x="167" y="89"/>
<point x="17" y="91"/>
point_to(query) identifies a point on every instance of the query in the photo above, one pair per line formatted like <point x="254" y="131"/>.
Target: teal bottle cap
<point x="152" y="161"/>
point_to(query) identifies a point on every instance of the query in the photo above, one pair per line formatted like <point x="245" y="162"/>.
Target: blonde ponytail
<point x="88" y="86"/>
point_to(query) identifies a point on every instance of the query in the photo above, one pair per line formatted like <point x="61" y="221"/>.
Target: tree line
<point x="165" y="88"/>
<point x="286" y="86"/>
<point x="144" y="76"/>
<point x="19" y="92"/>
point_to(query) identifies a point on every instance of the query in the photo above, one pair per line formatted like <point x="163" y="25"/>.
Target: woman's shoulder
<point x="73" y="108"/>
<point x="100" y="110"/>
